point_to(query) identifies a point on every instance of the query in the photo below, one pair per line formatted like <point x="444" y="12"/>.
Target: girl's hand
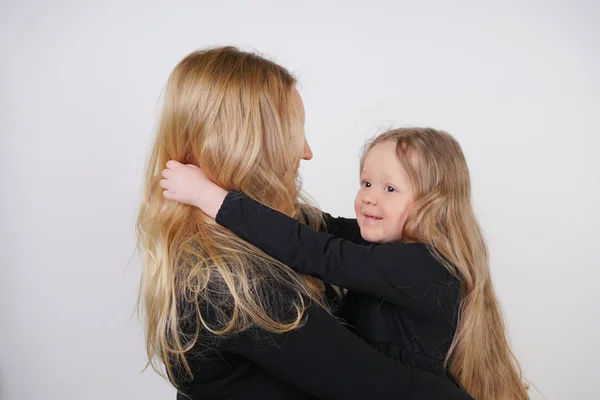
<point x="188" y="184"/>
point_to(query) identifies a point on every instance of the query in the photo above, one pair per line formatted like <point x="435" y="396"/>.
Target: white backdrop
<point x="517" y="83"/>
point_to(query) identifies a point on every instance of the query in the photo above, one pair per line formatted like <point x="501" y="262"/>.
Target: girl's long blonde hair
<point x="231" y="113"/>
<point x="443" y="218"/>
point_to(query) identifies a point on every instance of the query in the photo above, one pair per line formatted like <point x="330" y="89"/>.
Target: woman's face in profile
<point x="299" y="104"/>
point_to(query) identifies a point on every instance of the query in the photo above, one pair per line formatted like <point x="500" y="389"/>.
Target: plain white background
<point x="516" y="82"/>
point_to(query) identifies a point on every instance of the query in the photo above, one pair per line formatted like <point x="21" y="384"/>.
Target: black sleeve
<point x="400" y="273"/>
<point x="326" y="360"/>
<point x="343" y="228"/>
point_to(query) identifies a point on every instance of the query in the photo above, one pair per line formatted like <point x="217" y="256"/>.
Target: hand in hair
<point x="188" y="184"/>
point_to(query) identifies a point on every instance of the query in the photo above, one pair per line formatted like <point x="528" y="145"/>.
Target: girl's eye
<point x="366" y="184"/>
<point x="389" y="189"/>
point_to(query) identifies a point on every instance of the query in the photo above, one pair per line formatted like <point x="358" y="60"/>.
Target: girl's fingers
<point x="173" y="164"/>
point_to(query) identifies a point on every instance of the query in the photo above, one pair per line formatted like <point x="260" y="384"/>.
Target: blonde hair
<point x="231" y="113"/>
<point x="443" y="218"/>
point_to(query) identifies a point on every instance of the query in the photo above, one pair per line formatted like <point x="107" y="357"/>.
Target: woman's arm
<point x="327" y="361"/>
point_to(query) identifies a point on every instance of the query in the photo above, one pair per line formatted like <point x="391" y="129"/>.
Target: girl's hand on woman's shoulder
<point x="188" y="184"/>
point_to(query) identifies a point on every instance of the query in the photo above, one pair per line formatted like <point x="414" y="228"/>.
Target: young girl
<point x="417" y="274"/>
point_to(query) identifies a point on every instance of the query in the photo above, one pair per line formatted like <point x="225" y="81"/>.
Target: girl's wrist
<point x="211" y="201"/>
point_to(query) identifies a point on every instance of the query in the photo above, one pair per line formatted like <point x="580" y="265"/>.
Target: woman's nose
<point x="308" y="154"/>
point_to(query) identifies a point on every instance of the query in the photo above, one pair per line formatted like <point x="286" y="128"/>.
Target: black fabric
<point x="320" y="360"/>
<point x="395" y="331"/>
<point x="401" y="300"/>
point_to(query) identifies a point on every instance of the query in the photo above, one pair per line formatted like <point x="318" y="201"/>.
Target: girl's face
<point x="385" y="196"/>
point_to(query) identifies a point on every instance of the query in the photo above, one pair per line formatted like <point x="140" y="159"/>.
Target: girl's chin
<point x="368" y="235"/>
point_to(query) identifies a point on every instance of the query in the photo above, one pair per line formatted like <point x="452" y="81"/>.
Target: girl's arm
<point x="344" y="228"/>
<point x="400" y="273"/>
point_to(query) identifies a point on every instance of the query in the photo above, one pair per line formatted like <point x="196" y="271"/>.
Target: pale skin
<point x="385" y="196"/>
<point x="188" y="184"/>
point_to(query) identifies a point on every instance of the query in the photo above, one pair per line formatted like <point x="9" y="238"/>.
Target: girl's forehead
<point x="384" y="163"/>
<point x="382" y="154"/>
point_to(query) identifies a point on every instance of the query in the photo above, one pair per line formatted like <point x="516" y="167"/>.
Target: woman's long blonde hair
<point x="231" y="113"/>
<point x="443" y="218"/>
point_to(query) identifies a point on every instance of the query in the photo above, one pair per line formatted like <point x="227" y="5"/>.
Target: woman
<point x="227" y="320"/>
